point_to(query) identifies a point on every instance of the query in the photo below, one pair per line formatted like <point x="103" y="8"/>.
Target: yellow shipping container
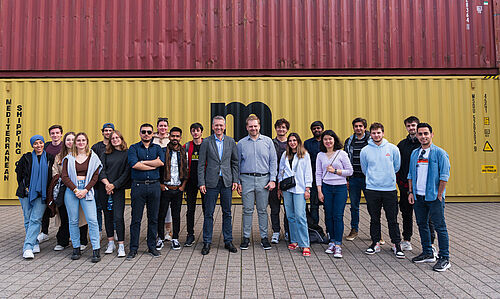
<point x="464" y="112"/>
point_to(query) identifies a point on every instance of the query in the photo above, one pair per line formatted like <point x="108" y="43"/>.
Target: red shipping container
<point x="336" y="36"/>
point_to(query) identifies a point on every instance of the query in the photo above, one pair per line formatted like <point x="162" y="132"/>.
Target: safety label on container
<point x="487" y="147"/>
<point x="488" y="169"/>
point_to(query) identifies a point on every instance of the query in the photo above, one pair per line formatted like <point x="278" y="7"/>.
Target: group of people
<point x="67" y="179"/>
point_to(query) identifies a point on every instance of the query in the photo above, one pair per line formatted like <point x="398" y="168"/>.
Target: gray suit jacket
<point x="209" y="156"/>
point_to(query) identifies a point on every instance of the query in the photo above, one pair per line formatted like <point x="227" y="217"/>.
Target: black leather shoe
<point x="131" y="255"/>
<point x="76" y="254"/>
<point x="206" y="249"/>
<point x="229" y="246"/>
<point x="96" y="255"/>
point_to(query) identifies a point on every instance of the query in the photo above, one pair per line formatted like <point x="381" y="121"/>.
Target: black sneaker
<point x="175" y="244"/>
<point x="265" y="244"/>
<point x="96" y="256"/>
<point x="131" y="255"/>
<point x="153" y="252"/>
<point x="76" y="254"/>
<point x="244" y="243"/>
<point x="396" y="248"/>
<point x="424" y="258"/>
<point x="189" y="241"/>
<point x="441" y="265"/>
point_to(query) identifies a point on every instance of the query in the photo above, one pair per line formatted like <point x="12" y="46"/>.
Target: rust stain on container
<point x="60" y="35"/>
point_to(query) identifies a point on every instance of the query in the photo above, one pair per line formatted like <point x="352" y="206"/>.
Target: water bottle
<point x="110" y="203"/>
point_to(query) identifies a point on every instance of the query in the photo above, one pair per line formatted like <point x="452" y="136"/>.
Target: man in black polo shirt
<point x="145" y="158"/>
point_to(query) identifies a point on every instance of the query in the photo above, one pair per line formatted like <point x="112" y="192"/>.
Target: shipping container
<point x="464" y="112"/>
<point x="204" y="38"/>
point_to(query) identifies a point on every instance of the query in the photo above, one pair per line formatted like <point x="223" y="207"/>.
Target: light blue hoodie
<point x="380" y="163"/>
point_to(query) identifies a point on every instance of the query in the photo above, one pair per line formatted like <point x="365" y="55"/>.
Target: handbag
<point x="287" y="183"/>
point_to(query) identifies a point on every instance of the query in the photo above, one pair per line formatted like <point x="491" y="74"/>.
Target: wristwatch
<point x="335" y="171"/>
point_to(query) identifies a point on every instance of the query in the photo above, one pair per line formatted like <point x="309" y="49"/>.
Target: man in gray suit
<point x="218" y="171"/>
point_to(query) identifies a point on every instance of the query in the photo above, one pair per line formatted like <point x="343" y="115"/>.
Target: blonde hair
<point x="64" y="150"/>
<point x="252" y="117"/>
<point x="74" y="150"/>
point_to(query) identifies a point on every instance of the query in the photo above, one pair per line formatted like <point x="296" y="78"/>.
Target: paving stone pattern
<point x="474" y="230"/>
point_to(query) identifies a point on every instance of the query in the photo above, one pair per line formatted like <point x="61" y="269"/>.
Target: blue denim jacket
<point x="439" y="170"/>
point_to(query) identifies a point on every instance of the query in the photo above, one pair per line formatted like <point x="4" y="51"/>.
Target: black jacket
<point x="23" y="171"/>
<point x="406" y="147"/>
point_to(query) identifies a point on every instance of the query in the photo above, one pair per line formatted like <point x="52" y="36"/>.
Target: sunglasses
<point x="148" y="132"/>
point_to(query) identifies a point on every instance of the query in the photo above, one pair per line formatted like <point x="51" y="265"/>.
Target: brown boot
<point x="352" y="235"/>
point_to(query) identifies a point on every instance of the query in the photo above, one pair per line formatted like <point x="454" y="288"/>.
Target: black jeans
<point x="275" y="205"/>
<point x="172" y="198"/>
<point x="191" y="196"/>
<point x="144" y="195"/>
<point x="46" y="221"/>
<point x="376" y="200"/>
<point x="62" y="235"/>
<point x="407" y="215"/>
<point x="117" y="215"/>
<point x="313" y="206"/>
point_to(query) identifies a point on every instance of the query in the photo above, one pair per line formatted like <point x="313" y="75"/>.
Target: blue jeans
<point x="334" y="203"/>
<point x="295" y="207"/>
<point x="208" y="211"/>
<point x="435" y="211"/>
<point x="355" y="187"/>
<point x="89" y="209"/>
<point x="33" y="213"/>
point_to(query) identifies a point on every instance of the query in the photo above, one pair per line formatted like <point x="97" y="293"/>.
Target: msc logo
<point x="240" y="112"/>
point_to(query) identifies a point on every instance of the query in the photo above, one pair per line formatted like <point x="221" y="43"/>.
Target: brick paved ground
<point x="475" y="272"/>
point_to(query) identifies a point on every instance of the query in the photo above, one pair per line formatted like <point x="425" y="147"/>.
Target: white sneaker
<point x="331" y="248"/>
<point x="338" y="252"/>
<point x="276" y="238"/>
<point x="36" y="248"/>
<point x="82" y="247"/>
<point x="59" y="248"/>
<point x="406" y="245"/>
<point x="42" y="237"/>
<point x="111" y="247"/>
<point x="159" y="244"/>
<point x="28" y="254"/>
<point x="121" y="250"/>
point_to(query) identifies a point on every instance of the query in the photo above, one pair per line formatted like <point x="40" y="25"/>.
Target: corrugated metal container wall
<point x="464" y="112"/>
<point x="245" y="34"/>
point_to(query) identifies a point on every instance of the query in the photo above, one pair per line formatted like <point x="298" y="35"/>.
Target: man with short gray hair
<point x="258" y="171"/>
<point x="218" y="174"/>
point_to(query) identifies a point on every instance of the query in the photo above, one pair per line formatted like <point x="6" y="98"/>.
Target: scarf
<point x="94" y="164"/>
<point x="39" y="175"/>
<point x="181" y="160"/>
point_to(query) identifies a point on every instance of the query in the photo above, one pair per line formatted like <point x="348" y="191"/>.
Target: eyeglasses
<point x="148" y="132"/>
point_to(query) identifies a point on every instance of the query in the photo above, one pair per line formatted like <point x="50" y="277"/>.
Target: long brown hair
<point x="301" y="151"/>
<point x="74" y="150"/>
<point x="110" y="148"/>
<point x="64" y="150"/>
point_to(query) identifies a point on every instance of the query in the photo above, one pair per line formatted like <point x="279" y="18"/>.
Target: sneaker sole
<point x="176" y="248"/>
<point x="444" y="269"/>
<point x="153" y="255"/>
<point x="328" y="251"/>
<point x="108" y="252"/>
<point x="188" y="245"/>
<point x="243" y="247"/>
<point x="266" y="248"/>
<point x="337" y="256"/>
<point x="120" y="256"/>
<point x="400" y="256"/>
<point x="275" y="242"/>
<point x="350" y="239"/>
<point x="425" y="261"/>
